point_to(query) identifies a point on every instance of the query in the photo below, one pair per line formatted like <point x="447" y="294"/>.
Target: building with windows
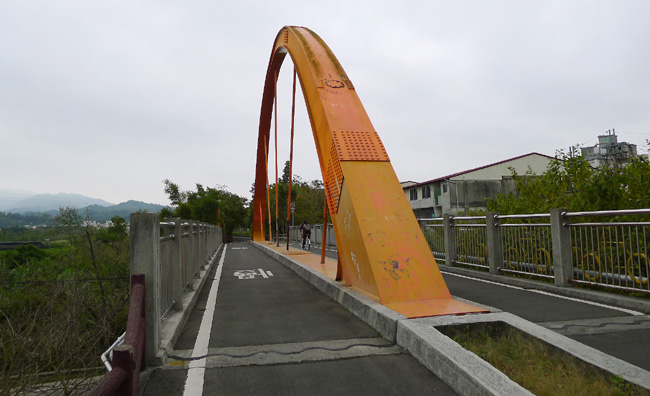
<point x="465" y="191"/>
<point x="609" y="150"/>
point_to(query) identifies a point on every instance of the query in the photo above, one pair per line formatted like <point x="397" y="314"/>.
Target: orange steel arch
<point x="382" y="250"/>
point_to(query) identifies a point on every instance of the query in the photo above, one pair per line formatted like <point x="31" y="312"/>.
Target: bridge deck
<point x="271" y="333"/>
<point x="617" y="332"/>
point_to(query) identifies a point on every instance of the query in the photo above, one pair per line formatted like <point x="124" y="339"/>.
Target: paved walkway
<point x="258" y="328"/>
<point x="619" y="332"/>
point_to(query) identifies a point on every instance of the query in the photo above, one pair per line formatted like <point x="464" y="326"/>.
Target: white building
<point x="464" y="191"/>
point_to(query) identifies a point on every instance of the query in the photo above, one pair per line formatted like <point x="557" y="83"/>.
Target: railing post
<point x="123" y="358"/>
<point x="188" y="272"/>
<point x="493" y="239"/>
<point x="450" y="239"/>
<point x="191" y="256"/>
<point x="562" y="258"/>
<point x="206" y="238"/>
<point x="206" y="245"/>
<point x="177" y="264"/>
<point x="209" y="231"/>
<point x="145" y="259"/>
<point x="200" y="232"/>
<point x="213" y="238"/>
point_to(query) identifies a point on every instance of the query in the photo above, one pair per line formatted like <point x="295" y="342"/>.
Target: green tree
<point x="308" y="199"/>
<point x="68" y="223"/>
<point x="215" y="205"/>
<point x="570" y="182"/>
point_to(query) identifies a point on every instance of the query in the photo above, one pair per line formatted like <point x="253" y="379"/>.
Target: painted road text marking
<point x="251" y="274"/>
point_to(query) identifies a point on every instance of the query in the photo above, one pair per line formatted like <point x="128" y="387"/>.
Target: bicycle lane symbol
<point x="251" y="274"/>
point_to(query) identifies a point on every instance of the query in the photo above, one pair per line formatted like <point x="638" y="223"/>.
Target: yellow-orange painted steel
<point x="323" y="235"/>
<point x="382" y="250"/>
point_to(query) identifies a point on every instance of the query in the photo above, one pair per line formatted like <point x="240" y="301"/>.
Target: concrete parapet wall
<point x="163" y="274"/>
<point x="172" y="325"/>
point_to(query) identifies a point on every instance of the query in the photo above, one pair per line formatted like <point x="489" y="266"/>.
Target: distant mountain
<point x="52" y="202"/>
<point x="95" y="212"/>
<point x="9" y="198"/>
<point x="103" y="213"/>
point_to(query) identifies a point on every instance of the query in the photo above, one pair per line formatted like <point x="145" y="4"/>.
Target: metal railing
<point x="434" y="233"/>
<point x="317" y="231"/>
<point x="526" y="244"/>
<point x="562" y="246"/>
<point x="611" y="253"/>
<point x="128" y="358"/>
<point x="470" y="236"/>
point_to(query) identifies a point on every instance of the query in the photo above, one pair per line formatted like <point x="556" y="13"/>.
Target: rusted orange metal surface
<point x="382" y="250"/>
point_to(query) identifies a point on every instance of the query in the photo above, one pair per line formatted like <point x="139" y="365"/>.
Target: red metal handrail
<point x="128" y="359"/>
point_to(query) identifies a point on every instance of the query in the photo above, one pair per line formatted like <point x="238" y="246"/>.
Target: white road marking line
<point x="482" y="280"/>
<point x="263" y="273"/>
<point x="629" y="311"/>
<point x="196" y="372"/>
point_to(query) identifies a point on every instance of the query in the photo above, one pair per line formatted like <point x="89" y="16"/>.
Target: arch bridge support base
<point x="382" y="250"/>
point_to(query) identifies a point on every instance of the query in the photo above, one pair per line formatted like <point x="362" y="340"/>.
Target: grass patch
<point x="537" y="366"/>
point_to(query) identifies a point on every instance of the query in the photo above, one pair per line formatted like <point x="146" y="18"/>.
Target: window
<point x="426" y="192"/>
<point x="444" y="188"/>
<point x="414" y="194"/>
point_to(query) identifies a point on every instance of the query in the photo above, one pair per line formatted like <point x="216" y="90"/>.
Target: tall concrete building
<point x="609" y="150"/>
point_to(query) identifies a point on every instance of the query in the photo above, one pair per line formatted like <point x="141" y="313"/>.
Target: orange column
<point x="293" y="116"/>
<point x="324" y="234"/>
<point x="277" y="235"/>
<point x="268" y="196"/>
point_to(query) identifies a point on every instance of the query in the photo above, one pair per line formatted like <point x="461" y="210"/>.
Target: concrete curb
<point x="461" y="369"/>
<point x="379" y="317"/>
<point x="616" y="300"/>
<point x="425" y="328"/>
<point x="173" y="324"/>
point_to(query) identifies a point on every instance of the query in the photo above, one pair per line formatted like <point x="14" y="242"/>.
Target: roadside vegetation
<point x="308" y="198"/>
<point x="61" y="307"/>
<point x="214" y="205"/>
<point x="14" y="223"/>
<point x="571" y="183"/>
<point x="537" y="366"/>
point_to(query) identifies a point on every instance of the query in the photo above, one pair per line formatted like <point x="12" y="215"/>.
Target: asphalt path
<point x="270" y="332"/>
<point x="525" y="303"/>
<point x="617" y="332"/>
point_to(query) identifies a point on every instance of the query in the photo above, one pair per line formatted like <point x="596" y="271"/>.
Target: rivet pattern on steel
<point x="359" y="146"/>
<point x="334" y="180"/>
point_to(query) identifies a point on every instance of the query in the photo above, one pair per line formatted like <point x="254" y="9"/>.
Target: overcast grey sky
<point x="108" y="99"/>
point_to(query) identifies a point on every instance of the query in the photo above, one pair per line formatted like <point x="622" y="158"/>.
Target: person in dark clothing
<point x="305" y="228"/>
